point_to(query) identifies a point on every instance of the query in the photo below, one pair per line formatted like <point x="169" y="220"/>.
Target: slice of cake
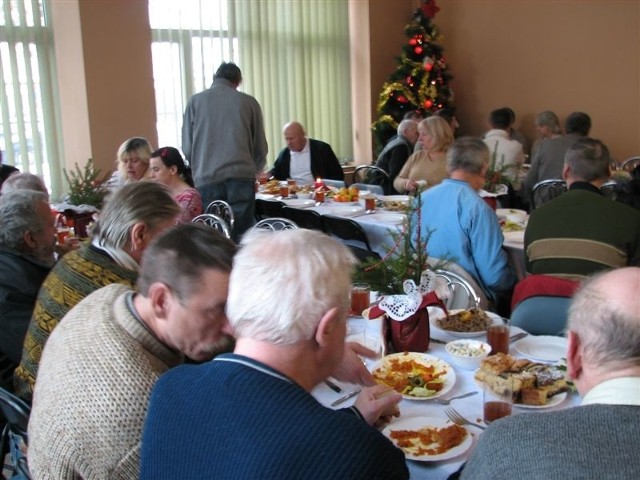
<point x="532" y="383"/>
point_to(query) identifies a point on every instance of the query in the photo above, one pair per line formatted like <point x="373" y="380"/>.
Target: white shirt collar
<point x="617" y="391"/>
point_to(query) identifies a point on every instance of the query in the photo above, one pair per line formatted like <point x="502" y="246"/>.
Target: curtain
<point x="294" y="57"/>
<point x="30" y="132"/>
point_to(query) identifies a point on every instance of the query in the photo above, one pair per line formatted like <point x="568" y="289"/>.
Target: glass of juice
<point x="359" y="298"/>
<point x="497" y="400"/>
<point x="498" y="338"/>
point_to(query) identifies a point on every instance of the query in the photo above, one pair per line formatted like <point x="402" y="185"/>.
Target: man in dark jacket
<point x="305" y="159"/>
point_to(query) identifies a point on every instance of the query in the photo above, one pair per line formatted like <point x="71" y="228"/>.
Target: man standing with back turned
<point x="223" y="138"/>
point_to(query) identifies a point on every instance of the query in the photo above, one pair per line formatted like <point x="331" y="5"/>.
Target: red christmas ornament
<point x="418" y="50"/>
<point x="413" y="41"/>
<point x="402" y="99"/>
<point x="410" y="81"/>
<point x="429" y="8"/>
<point x="428" y="66"/>
<point x="428" y="103"/>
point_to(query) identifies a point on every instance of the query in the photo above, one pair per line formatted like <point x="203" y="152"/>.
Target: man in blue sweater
<point x="250" y="414"/>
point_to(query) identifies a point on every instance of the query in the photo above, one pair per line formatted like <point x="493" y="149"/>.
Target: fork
<point x="442" y="401"/>
<point x="458" y="419"/>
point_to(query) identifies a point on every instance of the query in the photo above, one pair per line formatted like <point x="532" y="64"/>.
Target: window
<point x="294" y="58"/>
<point x="28" y="138"/>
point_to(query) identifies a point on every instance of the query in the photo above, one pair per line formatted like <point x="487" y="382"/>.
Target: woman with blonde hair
<point x="429" y="164"/>
<point x="168" y="168"/>
<point x="133" y="162"/>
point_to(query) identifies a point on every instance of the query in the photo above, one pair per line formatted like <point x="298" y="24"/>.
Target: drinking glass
<point x="370" y="204"/>
<point x="359" y="298"/>
<point x="497" y="401"/>
<point x="284" y="190"/>
<point x="498" y="338"/>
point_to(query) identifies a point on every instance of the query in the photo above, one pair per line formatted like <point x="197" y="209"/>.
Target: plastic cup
<point x="497" y="401"/>
<point x="359" y="298"/>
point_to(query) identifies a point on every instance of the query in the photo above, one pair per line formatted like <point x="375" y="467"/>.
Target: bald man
<point x="305" y="159"/>
<point x="598" y="439"/>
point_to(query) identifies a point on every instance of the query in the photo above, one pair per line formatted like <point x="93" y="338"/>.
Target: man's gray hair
<point x="404" y="125"/>
<point x="608" y="333"/>
<point x="19" y="214"/>
<point x="468" y="154"/>
<point x="589" y="160"/>
<point x="147" y="202"/>
<point x="283" y="283"/>
<point x="24" y="181"/>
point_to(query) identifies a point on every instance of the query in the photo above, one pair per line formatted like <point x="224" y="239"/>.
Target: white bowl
<point x="304" y="195"/>
<point x="467" y="354"/>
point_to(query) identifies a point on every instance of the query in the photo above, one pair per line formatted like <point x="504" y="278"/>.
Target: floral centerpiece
<point x="495" y="179"/>
<point x="408" y="282"/>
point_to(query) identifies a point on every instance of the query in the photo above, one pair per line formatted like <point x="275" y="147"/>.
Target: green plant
<point x="406" y="259"/>
<point x="85" y="185"/>
<point x="495" y="176"/>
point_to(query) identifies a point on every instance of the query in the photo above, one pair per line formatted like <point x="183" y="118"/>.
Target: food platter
<point x="436" y="313"/>
<point x="419" y="423"/>
<point x="554" y="401"/>
<point x="542" y="348"/>
<point x="387" y="371"/>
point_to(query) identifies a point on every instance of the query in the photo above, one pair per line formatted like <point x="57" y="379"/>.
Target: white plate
<point x="424" y="359"/>
<point x="512" y="214"/>
<point x="394" y="218"/>
<point x="417" y="423"/>
<point x="557" y="399"/>
<point x="346" y="211"/>
<point x="299" y="202"/>
<point x="543" y="348"/>
<point x="264" y="196"/>
<point x="395" y="198"/>
<point x="437" y="313"/>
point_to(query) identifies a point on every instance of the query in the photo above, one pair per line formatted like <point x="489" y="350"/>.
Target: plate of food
<point x="428" y="439"/>
<point x="534" y="385"/>
<point x="512" y="215"/>
<point x="544" y="348"/>
<point x="417" y="376"/>
<point x="463" y="323"/>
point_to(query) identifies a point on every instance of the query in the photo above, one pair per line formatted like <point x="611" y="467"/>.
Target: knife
<point x="345" y="398"/>
<point x="332" y="386"/>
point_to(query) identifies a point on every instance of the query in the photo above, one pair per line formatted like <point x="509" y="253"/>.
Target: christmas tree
<point x="421" y="80"/>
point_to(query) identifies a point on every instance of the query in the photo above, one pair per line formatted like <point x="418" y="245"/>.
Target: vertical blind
<point x="30" y="132"/>
<point x="294" y="57"/>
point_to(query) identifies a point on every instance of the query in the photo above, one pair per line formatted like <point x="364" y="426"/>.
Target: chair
<point x="268" y="208"/>
<point x="362" y="254"/>
<point x="546" y="190"/>
<point x="540" y="304"/>
<point x="223" y="210"/>
<point x="14" y="433"/>
<point x="346" y="229"/>
<point x="275" y="224"/>
<point x="376" y="189"/>
<point x="630" y="164"/>
<point x="371" y="174"/>
<point x="304" y="218"/>
<point x="334" y="183"/>
<point x="610" y="189"/>
<point x="464" y="290"/>
<point x="213" y="221"/>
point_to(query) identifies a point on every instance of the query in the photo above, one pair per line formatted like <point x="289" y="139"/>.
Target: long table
<point x="470" y="407"/>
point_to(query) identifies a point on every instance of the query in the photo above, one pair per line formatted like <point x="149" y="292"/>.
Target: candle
<point x="318" y="183"/>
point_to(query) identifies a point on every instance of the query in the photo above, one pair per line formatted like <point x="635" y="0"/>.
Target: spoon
<point x="442" y="401"/>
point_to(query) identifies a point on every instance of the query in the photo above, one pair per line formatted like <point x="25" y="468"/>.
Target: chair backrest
<point x="213" y="221"/>
<point x="223" y="210"/>
<point x="372" y="175"/>
<point x="268" y="208"/>
<point x="376" y="189"/>
<point x="547" y="190"/>
<point x="334" y="183"/>
<point x="610" y="189"/>
<point x="16" y="411"/>
<point x="462" y="293"/>
<point x="303" y="217"/>
<point x="275" y="224"/>
<point x="630" y="164"/>
<point x="346" y="229"/>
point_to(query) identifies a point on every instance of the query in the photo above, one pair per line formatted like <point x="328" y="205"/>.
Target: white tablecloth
<point x="470" y="407"/>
